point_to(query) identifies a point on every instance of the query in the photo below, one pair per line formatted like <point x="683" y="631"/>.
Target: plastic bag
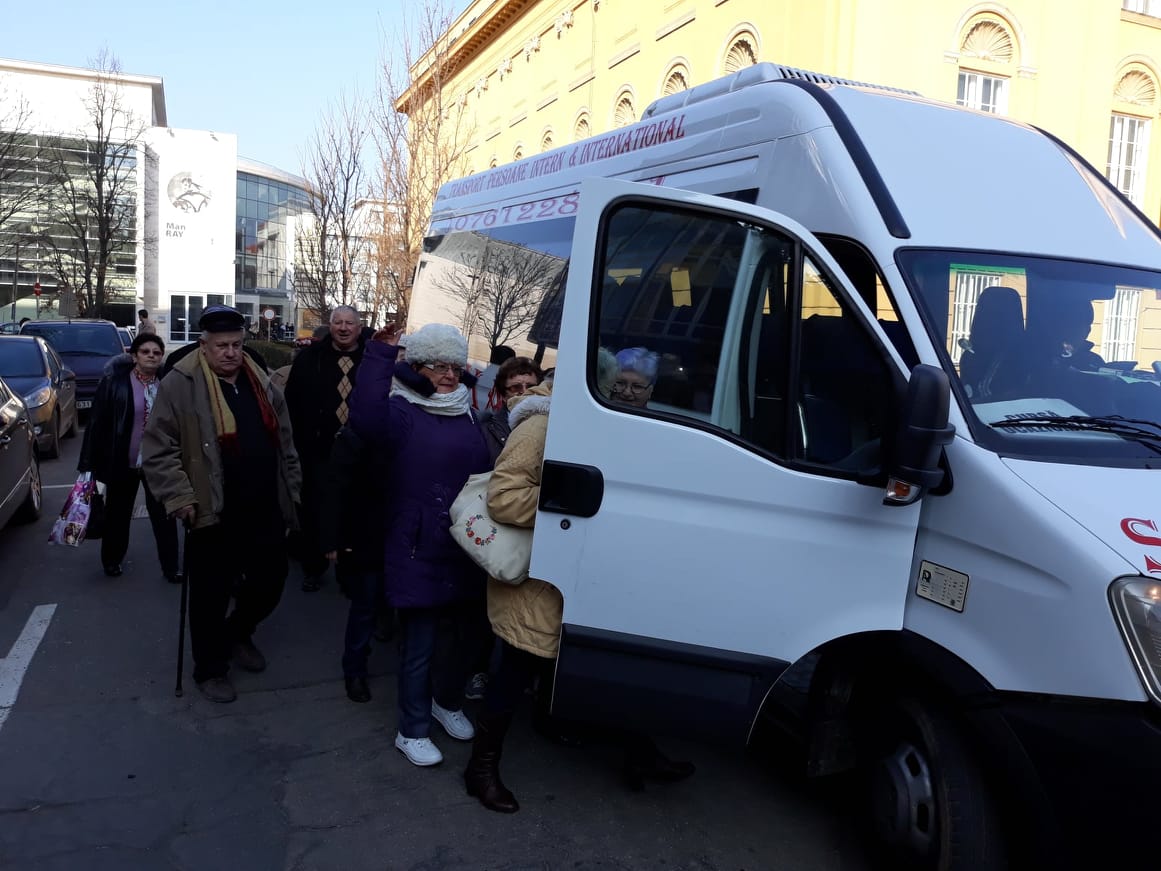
<point x="73" y="522"/>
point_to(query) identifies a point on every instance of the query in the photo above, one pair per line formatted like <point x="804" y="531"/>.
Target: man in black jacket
<point x="321" y="380"/>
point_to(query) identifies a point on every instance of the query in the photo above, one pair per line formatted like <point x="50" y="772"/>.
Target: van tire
<point x="929" y="806"/>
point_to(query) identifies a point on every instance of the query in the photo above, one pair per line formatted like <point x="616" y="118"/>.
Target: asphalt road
<point x="102" y="767"/>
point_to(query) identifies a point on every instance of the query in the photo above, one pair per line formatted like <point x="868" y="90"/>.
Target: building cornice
<point x="477" y="27"/>
<point x="155" y="83"/>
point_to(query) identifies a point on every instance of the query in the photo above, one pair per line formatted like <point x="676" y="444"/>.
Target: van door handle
<point x="569" y="488"/>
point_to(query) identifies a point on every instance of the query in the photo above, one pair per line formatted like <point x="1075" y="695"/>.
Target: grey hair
<point x="607" y="371"/>
<point x="345" y="308"/>
<point x="640" y="360"/>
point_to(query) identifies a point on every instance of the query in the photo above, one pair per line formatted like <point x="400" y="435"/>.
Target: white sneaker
<point x="454" y="723"/>
<point x="419" y="751"/>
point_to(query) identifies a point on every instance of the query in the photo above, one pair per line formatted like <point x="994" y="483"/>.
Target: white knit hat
<point x="436" y="343"/>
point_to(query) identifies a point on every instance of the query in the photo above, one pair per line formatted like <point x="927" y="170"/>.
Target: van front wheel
<point x="930" y="807"/>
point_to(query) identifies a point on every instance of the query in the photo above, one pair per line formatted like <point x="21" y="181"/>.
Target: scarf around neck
<point x="224" y="422"/>
<point x="453" y="404"/>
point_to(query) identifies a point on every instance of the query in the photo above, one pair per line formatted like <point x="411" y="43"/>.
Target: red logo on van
<point x="1132" y="527"/>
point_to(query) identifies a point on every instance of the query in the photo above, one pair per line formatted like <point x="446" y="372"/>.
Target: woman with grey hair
<point x="637" y="376"/>
<point x="417" y="413"/>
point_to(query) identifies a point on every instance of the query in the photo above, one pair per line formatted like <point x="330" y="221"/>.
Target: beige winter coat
<point x="180" y="454"/>
<point x="527" y="616"/>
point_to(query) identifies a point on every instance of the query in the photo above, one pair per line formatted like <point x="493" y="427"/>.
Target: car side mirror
<point x="916" y="462"/>
<point x="67" y="374"/>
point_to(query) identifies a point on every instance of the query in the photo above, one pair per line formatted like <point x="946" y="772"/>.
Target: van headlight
<point x="1137" y="607"/>
<point x="38" y="397"/>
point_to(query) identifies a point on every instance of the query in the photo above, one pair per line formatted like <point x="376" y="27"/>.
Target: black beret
<point x="221" y="319"/>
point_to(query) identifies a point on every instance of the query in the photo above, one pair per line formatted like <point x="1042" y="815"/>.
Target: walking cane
<point x="177" y="690"/>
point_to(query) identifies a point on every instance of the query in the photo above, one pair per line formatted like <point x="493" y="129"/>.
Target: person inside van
<point x="637" y="377"/>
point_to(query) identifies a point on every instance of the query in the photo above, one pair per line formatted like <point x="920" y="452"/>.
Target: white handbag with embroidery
<point x="503" y="551"/>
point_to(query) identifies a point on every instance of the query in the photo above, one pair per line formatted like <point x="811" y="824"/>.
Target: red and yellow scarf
<point x="224" y="423"/>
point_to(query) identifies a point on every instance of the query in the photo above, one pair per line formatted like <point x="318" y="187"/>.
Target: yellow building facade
<point x="535" y="75"/>
<point x="530" y="75"/>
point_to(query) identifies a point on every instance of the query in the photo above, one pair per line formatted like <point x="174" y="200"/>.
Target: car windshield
<point x="20" y="359"/>
<point x="1054" y="359"/>
<point x="98" y="340"/>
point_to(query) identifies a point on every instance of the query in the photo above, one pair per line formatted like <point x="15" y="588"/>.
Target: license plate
<point x="84" y="403"/>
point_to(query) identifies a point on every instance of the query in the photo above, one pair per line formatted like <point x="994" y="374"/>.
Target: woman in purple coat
<point x="431" y="445"/>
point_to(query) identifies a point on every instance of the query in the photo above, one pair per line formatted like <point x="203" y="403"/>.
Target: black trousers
<point x="120" y="496"/>
<point x="246" y="562"/>
<point x="310" y="556"/>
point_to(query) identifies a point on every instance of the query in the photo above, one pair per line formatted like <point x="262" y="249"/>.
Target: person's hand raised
<point x="389" y="335"/>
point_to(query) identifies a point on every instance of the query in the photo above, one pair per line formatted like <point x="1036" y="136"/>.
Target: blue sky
<point x="264" y="71"/>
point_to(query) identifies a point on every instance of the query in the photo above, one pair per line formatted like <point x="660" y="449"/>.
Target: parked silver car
<point x="21" y="496"/>
<point x="47" y="386"/>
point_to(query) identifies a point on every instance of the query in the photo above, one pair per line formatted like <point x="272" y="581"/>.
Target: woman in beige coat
<point x="527" y="617"/>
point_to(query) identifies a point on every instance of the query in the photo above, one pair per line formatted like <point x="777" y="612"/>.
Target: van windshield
<point x="95" y="340"/>
<point x="1054" y="359"/>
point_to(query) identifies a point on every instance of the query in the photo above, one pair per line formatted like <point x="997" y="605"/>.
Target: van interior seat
<point x="997" y="343"/>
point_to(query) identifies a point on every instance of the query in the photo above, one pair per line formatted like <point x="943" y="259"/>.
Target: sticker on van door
<point x="942" y="585"/>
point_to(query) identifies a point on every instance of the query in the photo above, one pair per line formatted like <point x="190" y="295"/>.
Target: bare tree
<point x="501" y="285"/>
<point x="20" y="191"/>
<point x="423" y="133"/>
<point x="93" y="201"/>
<point x="332" y="249"/>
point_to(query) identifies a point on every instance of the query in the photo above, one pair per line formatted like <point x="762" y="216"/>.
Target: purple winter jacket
<point x="429" y="458"/>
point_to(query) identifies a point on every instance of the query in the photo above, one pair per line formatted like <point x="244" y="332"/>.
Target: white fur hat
<point x="436" y="343"/>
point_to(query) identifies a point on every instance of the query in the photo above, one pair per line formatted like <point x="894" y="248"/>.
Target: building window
<point x="518" y="153"/>
<point x="990" y="41"/>
<point x="986" y="93"/>
<point x="1145" y="7"/>
<point x="1120" y="329"/>
<point x="1128" y="153"/>
<point x="675" y="82"/>
<point x="742" y="53"/>
<point x="546" y="141"/>
<point x="186" y="311"/>
<point x="623" y="113"/>
<point x="581" y="130"/>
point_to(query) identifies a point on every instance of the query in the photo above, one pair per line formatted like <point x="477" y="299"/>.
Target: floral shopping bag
<point x="70" y="527"/>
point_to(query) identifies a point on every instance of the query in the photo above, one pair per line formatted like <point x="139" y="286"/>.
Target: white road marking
<point x="15" y="664"/>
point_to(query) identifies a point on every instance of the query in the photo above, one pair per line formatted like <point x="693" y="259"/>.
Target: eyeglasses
<point x="630" y="387"/>
<point x="444" y="369"/>
<point x="517" y="387"/>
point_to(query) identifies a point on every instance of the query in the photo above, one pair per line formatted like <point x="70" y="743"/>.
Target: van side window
<point x="733" y="327"/>
<point x="667" y="296"/>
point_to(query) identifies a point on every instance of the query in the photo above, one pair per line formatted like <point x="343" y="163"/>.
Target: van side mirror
<point x="923" y="432"/>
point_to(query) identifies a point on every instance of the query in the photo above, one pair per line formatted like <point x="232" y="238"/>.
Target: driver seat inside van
<point x="991" y="365"/>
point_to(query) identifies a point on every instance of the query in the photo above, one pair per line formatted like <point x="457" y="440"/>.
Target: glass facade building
<point x="270" y="204"/>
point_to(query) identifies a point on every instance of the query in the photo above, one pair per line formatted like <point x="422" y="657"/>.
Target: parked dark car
<point x="48" y="388"/>
<point x="126" y="337"/>
<point x="85" y="345"/>
<point x="20" y="489"/>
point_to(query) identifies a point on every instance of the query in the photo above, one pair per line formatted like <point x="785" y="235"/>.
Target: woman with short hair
<point x="516" y="377"/>
<point x="112" y="452"/>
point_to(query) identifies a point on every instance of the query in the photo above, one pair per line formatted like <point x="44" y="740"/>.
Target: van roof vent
<point x="752" y="75"/>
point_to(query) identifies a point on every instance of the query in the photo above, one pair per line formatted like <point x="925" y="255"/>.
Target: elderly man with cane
<point x="219" y="455"/>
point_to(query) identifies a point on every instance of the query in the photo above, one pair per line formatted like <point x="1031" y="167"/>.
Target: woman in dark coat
<point x="431" y="445"/>
<point x="112" y="452"/>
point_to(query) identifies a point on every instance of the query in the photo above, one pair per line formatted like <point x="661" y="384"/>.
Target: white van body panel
<point x="1036" y="617"/>
<point x="698" y="540"/>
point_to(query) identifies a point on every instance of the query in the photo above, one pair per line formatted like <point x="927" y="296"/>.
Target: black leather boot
<point x="482" y="776"/>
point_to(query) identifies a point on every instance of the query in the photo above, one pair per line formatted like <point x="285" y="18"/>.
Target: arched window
<point x="987" y="58"/>
<point x="623" y="112"/>
<point x="581" y="129"/>
<point x="546" y="140"/>
<point x="676" y="80"/>
<point x="1134" y="107"/>
<point x="742" y="53"/>
<point x="493" y="163"/>
<point x="518" y="152"/>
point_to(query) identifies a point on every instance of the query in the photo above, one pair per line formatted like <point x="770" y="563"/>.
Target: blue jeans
<point x="435" y="659"/>
<point x="365" y="587"/>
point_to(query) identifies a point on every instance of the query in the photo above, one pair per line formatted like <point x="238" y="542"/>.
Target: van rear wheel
<point x="930" y="808"/>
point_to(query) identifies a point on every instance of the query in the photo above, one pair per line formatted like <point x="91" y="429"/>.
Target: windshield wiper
<point x="1128" y="428"/>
